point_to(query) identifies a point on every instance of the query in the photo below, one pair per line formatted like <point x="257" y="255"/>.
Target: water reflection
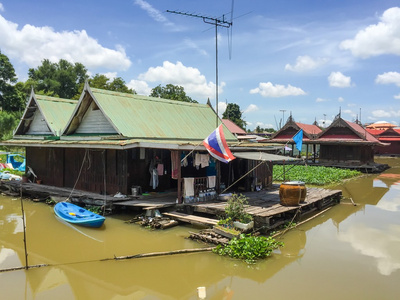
<point x="363" y="240"/>
<point x="382" y="245"/>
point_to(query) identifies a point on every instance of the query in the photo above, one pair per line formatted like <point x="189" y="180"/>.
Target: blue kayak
<point x="77" y="215"/>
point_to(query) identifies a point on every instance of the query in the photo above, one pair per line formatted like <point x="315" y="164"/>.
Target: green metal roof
<point x="56" y="111"/>
<point x="142" y="117"/>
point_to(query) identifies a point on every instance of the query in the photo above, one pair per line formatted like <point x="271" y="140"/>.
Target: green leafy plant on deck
<point x="235" y="209"/>
<point x="249" y="248"/>
<point x="95" y="209"/>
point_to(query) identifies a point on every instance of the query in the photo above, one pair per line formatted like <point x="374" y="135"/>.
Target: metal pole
<point x="24" y="227"/>
<point x="216" y="70"/>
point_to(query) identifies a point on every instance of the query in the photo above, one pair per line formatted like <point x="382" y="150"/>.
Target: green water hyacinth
<point x="315" y="175"/>
<point x="249" y="248"/>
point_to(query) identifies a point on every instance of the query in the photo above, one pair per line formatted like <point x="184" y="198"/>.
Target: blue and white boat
<point x="77" y="215"/>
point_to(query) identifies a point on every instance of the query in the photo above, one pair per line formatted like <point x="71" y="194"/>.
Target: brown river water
<point x="349" y="252"/>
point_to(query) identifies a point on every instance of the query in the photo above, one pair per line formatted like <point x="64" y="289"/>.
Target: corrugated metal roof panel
<point x="56" y="111"/>
<point x="139" y="116"/>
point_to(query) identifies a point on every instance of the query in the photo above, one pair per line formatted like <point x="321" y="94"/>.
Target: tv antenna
<point x="217" y="22"/>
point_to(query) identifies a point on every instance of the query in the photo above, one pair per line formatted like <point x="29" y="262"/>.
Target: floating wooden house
<point x="286" y="133"/>
<point x="346" y="143"/>
<point x="111" y="142"/>
<point x="389" y="135"/>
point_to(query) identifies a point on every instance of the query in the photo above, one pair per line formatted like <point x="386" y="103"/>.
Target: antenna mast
<point x="216" y="22"/>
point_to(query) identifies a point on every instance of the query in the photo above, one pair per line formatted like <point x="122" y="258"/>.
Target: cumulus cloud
<point x="321" y="100"/>
<point x="221" y="108"/>
<point x="267" y="89"/>
<point x="396" y="96"/>
<point x="377" y="39"/>
<point x="32" y="44"/>
<point x="305" y="63"/>
<point x="194" y="83"/>
<point x="141" y="87"/>
<point x="337" y="79"/>
<point x="251" y="108"/>
<point x="1" y="7"/>
<point x="340" y="99"/>
<point x="388" y="78"/>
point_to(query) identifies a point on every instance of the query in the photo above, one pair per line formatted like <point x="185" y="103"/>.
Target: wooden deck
<point x="267" y="211"/>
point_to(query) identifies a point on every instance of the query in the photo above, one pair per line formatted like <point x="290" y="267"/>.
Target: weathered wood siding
<point x="38" y="124"/>
<point x="47" y="163"/>
<point x="95" y="122"/>
<point x="346" y="154"/>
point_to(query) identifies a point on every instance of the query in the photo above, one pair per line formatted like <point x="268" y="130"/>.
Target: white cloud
<point x="377" y="39"/>
<point x="33" y="44"/>
<point x="141" y="87"/>
<point x="305" y="63"/>
<point x="110" y="75"/>
<point x="337" y="79"/>
<point x="267" y="89"/>
<point x="1" y="7"/>
<point x="221" y="108"/>
<point x="251" y="108"/>
<point x="194" y="83"/>
<point x="154" y="13"/>
<point x="321" y="100"/>
<point x="388" y="78"/>
<point x="380" y="113"/>
<point x="396" y="96"/>
<point x="340" y="99"/>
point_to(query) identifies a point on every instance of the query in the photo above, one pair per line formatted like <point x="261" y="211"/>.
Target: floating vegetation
<point x="316" y="175"/>
<point x="249" y="248"/>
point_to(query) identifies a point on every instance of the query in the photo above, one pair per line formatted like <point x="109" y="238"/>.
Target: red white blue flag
<point x="216" y="145"/>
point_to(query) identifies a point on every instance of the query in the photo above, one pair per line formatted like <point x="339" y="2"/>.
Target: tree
<point x="11" y="98"/>
<point x="8" y="122"/>
<point x="61" y="79"/>
<point x="173" y="92"/>
<point x="101" y="81"/>
<point x="234" y="114"/>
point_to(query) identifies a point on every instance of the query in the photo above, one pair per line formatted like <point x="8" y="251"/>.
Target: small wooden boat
<point x="77" y="215"/>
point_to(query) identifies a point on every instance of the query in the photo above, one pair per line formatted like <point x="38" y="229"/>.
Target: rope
<point x="79" y="175"/>
<point x="243" y="176"/>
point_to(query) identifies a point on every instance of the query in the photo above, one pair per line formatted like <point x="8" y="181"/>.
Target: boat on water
<point x="77" y="215"/>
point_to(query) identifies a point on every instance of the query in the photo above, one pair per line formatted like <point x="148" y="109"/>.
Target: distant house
<point x="109" y="142"/>
<point x="348" y="143"/>
<point x="389" y="136"/>
<point x="286" y="133"/>
<point x="241" y="134"/>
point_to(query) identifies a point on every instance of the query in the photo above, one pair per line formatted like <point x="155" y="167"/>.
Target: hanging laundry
<point x="189" y="186"/>
<point x="211" y="181"/>
<point x="204" y="158"/>
<point x="160" y="169"/>
<point x="175" y="164"/>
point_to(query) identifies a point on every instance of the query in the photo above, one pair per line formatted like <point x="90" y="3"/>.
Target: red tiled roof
<point x="310" y="129"/>
<point x="362" y="132"/>
<point x="233" y="127"/>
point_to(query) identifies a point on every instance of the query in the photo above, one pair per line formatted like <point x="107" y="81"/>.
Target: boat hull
<point x="75" y="214"/>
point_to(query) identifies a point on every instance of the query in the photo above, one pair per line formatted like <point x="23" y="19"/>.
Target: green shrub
<point x="235" y="209"/>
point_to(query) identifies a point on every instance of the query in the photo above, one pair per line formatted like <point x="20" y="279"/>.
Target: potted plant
<point x="235" y="211"/>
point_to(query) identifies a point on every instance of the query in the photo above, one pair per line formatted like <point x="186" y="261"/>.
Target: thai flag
<point x="216" y="145"/>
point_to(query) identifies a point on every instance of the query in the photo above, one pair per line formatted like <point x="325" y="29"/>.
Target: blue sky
<point x="309" y="58"/>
